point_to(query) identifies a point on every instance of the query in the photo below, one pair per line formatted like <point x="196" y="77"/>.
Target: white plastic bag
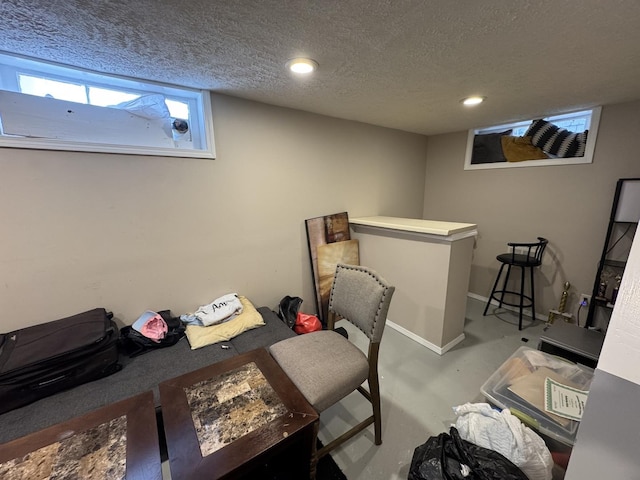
<point x="500" y="431"/>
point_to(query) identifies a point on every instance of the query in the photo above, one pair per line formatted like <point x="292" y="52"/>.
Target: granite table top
<point x="222" y="417"/>
<point x="229" y="406"/>
<point x="116" y="442"/>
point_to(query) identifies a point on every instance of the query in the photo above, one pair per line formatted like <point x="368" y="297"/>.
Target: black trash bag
<point x="132" y="343"/>
<point x="288" y="310"/>
<point x="449" y="457"/>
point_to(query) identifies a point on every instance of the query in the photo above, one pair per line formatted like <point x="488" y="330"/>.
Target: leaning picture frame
<point x="321" y="231"/>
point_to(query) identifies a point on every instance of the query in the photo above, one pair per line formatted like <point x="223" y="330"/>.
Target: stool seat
<point x="518" y="260"/>
<point x="531" y="259"/>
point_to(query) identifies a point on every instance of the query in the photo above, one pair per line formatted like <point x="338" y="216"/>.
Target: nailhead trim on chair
<point x="384" y="294"/>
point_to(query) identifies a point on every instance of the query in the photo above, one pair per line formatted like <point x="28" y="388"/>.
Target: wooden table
<point x="115" y="442"/>
<point x="228" y="419"/>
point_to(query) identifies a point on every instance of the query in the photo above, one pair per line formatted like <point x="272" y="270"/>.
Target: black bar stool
<point x="531" y="259"/>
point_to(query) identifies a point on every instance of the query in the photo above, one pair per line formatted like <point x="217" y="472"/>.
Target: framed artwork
<point x="329" y="255"/>
<point x="328" y="230"/>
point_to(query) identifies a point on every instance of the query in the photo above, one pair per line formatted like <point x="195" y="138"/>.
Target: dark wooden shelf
<point x="615" y="263"/>
<point x="616" y="231"/>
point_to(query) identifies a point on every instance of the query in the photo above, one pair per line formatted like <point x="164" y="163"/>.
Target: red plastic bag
<point x="306" y="323"/>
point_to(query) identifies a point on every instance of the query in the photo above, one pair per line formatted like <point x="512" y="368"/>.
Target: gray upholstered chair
<point x="325" y="366"/>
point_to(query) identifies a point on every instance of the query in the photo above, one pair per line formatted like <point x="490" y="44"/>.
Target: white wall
<point x="569" y="205"/>
<point x="620" y="354"/>
<point x="609" y="434"/>
<point x="81" y="230"/>
<point x="134" y="232"/>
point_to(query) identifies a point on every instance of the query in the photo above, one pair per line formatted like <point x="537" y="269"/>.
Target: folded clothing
<point x="221" y="310"/>
<point x="249" y="319"/>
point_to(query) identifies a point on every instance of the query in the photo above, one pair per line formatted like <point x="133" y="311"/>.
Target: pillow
<point x="487" y="148"/>
<point x="555" y="140"/>
<point x="517" y="149"/>
<point x="249" y="319"/>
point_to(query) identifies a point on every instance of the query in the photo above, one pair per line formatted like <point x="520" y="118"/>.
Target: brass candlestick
<point x="561" y="307"/>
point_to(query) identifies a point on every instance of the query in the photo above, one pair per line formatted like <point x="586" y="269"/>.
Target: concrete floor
<point x="419" y="389"/>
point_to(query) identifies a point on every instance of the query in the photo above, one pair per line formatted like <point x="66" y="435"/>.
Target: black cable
<point x="618" y="240"/>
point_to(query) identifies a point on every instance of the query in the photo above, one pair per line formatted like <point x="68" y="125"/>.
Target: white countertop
<point x="433" y="227"/>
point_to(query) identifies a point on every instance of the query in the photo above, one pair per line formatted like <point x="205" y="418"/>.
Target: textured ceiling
<point x="402" y="64"/>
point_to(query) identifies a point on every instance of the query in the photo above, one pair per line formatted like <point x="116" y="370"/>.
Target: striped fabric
<point x="555" y="140"/>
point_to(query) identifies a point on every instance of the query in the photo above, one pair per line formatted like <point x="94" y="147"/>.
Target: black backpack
<point x="288" y="310"/>
<point x="132" y="343"/>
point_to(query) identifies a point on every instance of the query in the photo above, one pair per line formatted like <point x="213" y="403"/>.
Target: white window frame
<point x="587" y="158"/>
<point x="200" y="123"/>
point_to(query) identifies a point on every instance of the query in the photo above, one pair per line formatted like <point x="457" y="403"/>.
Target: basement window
<point x="565" y="139"/>
<point x="53" y="107"/>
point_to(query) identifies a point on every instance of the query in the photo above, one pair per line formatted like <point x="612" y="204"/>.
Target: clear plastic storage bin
<point x="519" y="386"/>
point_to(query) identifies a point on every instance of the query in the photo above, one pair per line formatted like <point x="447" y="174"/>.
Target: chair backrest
<point x="362" y="297"/>
<point x="534" y="251"/>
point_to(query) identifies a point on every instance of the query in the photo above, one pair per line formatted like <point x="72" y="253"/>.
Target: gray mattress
<point x="137" y="375"/>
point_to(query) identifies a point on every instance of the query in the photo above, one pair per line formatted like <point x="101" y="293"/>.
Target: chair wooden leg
<point x="314" y="452"/>
<point x="373" y="396"/>
<point x="374" y="390"/>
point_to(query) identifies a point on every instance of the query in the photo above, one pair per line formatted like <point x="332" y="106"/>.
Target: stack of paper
<point x="562" y="400"/>
<point x="561" y="403"/>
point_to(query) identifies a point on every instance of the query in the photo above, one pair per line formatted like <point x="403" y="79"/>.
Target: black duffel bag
<point x="133" y="343"/>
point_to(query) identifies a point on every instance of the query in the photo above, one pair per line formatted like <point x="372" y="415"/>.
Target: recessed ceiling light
<point x="302" y="65"/>
<point x="474" y="100"/>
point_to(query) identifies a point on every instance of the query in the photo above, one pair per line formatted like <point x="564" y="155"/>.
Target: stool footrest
<point x="495" y="296"/>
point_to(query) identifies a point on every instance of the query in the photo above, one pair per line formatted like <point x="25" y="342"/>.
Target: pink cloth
<point x="151" y="325"/>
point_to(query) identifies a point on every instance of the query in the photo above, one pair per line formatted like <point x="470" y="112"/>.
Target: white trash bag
<point x="502" y="432"/>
